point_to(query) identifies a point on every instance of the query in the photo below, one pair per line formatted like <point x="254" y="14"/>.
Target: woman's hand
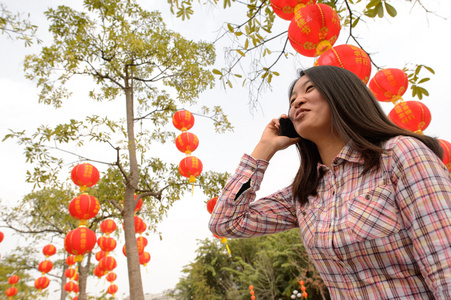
<point x="271" y="142"/>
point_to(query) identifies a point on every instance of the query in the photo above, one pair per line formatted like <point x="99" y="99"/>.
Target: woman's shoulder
<point x="403" y="142"/>
<point x="408" y="149"/>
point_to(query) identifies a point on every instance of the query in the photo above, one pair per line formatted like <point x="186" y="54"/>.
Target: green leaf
<point x="241" y="52"/>
<point x="380" y="10"/>
<point x="371" y="13"/>
<point x="230" y="27"/>
<point x="373" y="3"/>
<point x="424" y="80"/>
<point x="430" y="69"/>
<point x="390" y="10"/>
<point x="227" y="3"/>
<point x="217" y="72"/>
<point x="355" y="22"/>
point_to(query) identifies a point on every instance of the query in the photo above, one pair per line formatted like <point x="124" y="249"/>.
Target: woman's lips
<point x="301" y="113"/>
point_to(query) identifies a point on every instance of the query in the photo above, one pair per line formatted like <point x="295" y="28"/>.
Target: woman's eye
<point x="309" y="88"/>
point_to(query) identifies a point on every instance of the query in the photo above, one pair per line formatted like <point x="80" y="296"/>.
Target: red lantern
<point x="446" y="146"/>
<point x="252" y="297"/>
<point x="285" y="8"/>
<point x="348" y="57"/>
<point x="85" y="175"/>
<point x="142" y="228"/>
<point x="144" y="258"/>
<point x="314" y="29"/>
<point x="139" y="204"/>
<point x="183" y="120"/>
<point x="70" y="260"/>
<point x="49" y="250"/>
<point x="45" y="266"/>
<point x="108" y="263"/>
<point x="79" y="242"/>
<point x="111" y="277"/>
<point x="389" y="84"/>
<point x="11" y="292"/>
<point x="69" y="286"/>
<point x="70" y="273"/>
<point x="138" y="224"/>
<point x="112" y="289"/>
<point x="108" y="226"/>
<point x="187" y="142"/>
<point x="140" y="245"/>
<point x="142" y="240"/>
<point x="411" y="115"/>
<point x="106" y="243"/>
<point x="100" y="255"/>
<point x="99" y="273"/>
<point x="41" y="283"/>
<point x="13" y="279"/>
<point x="190" y="167"/>
<point x="1" y="236"/>
<point x="211" y="204"/>
<point x="84" y="207"/>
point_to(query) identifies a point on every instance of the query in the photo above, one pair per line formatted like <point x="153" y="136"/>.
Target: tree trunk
<point x="63" y="282"/>
<point x="83" y="277"/>
<point x="131" y="246"/>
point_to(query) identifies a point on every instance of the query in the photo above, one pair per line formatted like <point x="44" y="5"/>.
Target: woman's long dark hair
<point x="356" y="117"/>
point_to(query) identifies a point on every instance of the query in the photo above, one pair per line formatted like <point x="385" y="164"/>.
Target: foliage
<point x="15" y="27"/>
<point x="272" y="264"/>
<point x="256" y="41"/>
<point x="40" y="218"/>
<point x="129" y="54"/>
<point x="19" y="262"/>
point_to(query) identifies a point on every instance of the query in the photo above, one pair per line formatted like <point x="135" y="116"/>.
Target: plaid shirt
<point x="383" y="235"/>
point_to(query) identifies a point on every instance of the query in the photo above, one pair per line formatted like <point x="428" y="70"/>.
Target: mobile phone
<point x="286" y="128"/>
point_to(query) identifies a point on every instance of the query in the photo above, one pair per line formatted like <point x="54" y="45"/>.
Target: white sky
<point x="412" y="37"/>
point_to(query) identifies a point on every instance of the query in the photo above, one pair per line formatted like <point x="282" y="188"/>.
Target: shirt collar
<point x="347" y="153"/>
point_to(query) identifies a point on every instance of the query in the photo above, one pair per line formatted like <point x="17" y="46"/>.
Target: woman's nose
<point x="298" y="102"/>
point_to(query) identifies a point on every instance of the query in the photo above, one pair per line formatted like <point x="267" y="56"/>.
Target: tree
<point x="43" y="216"/>
<point x="272" y="264"/>
<point x="207" y="277"/>
<point x="129" y="53"/>
<point x="255" y="51"/>
<point x="14" y="26"/>
<point x="18" y="263"/>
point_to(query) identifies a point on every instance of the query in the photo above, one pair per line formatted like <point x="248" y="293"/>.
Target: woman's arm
<point x="236" y="214"/>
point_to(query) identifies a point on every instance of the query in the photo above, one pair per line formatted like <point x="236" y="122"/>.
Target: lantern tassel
<point x="224" y="241"/>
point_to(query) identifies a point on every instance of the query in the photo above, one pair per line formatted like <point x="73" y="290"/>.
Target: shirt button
<point x="367" y="197"/>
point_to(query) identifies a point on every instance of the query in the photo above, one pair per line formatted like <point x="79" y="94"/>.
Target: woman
<point x="372" y="201"/>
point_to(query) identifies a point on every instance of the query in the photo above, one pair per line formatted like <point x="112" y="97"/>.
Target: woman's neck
<point x="328" y="149"/>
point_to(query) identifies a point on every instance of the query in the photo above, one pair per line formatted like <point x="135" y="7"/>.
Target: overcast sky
<point x="412" y="37"/>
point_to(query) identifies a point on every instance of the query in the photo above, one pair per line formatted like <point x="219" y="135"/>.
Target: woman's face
<point x="309" y="111"/>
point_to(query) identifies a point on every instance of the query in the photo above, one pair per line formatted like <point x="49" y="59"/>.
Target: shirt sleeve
<point x="237" y="215"/>
<point x="423" y="193"/>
